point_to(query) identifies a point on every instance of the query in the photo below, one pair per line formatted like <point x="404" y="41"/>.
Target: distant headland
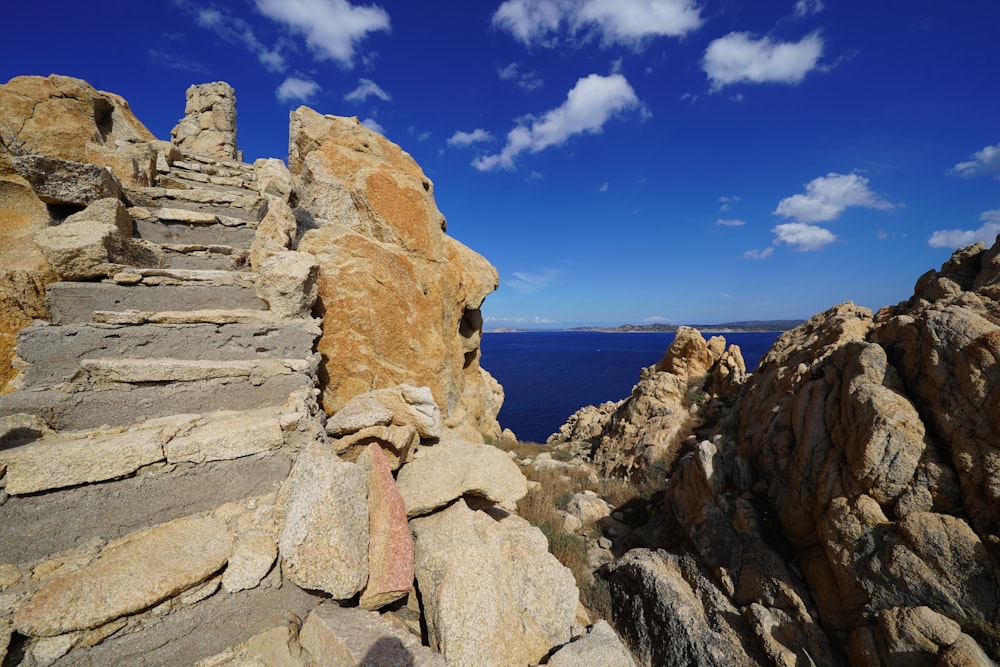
<point x="750" y="326"/>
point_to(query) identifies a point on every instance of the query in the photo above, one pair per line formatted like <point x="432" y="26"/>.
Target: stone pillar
<point x="209" y="123"/>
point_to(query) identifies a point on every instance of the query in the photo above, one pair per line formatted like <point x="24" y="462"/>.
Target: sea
<point x="549" y="375"/>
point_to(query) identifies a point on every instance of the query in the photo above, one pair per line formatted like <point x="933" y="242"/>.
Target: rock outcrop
<point x="209" y="123"/>
<point x="379" y="238"/>
<point x="172" y="492"/>
<point x="843" y="508"/>
<point x="651" y="424"/>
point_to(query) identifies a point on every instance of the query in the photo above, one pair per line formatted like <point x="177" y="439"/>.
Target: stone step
<point x="100" y="371"/>
<point x="66" y="459"/>
<point x="70" y="302"/>
<point x="235" y="198"/>
<point x="182" y="178"/>
<point x="122" y="274"/>
<point x="127" y="404"/>
<point x="53" y="352"/>
<point x="205" y="257"/>
<point x="178" y="233"/>
<point x="206" y="161"/>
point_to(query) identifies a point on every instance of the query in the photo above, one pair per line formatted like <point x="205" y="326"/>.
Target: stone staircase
<point x="166" y="399"/>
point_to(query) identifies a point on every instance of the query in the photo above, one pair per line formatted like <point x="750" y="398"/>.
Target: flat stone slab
<point x="130" y="575"/>
<point x="125" y="406"/>
<point x="206" y="234"/>
<point x="226" y="436"/>
<point x="38" y="525"/>
<point x="186" y="215"/>
<point x="68" y="459"/>
<point x="77" y="302"/>
<point x="54" y="352"/>
<point x="135" y="371"/>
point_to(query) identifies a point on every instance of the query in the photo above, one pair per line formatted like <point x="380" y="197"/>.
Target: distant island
<point x="726" y="327"/>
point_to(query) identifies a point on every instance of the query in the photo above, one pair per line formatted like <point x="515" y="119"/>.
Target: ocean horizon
<point x="549" y="375"/>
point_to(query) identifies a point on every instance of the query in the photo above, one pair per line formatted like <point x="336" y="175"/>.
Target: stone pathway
<point x="159" y="411"/>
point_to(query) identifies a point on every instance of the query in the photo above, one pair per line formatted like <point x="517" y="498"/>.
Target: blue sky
<point x="686" y="161"/>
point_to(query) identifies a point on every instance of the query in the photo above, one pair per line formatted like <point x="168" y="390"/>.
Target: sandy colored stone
<point x="287" y="282"/>
<point x="186" y="215"/>
<point x="492" y="593"/>
<point x="275" y="233"/>
<point x="62" y="117"/>
<point x="186" y="370"/>
<point x="390" y="545"/>
<point x="452" y="468"/>
<point x="67" y="460"/>
<point x="380" y="240"/>
<point x="397" y="443"/>
<point x="131" y="574"/>
<point x="339" y="637"/>
<point x="209" y="123"/>
<point x="49" y="649"/>
<point x="272" y="177"/>
<point x="253" y="556"/>
<point x="227" y="436"/>
<point x="403" y="405"/>
<point x="324" y="542"/>
<point x="84" y="245"/>
<point x="600" y="646"/>
<point x="274" y="647"/>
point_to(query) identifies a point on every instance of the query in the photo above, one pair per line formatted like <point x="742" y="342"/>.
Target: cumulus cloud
<point x="331" y="28"/>
<point x="468" y="138"/>
<point x="982" y="163"/>
<point x="959" y="238"/>
<point x="294" y="88"/>
<point x="826" y="198"/>
<point x="235" y="30"/>
<point x="738" y="57"/>
<point x="759" y="254"/>
<point x="529" y="283"/>
<point x="802" y="237"/>
<point x="527" y="80"/>
<point x="373" y="125"/>
<point x="589" y="105"/>
<point x="730" y="223"/>
<point x="629" y="22"/>
<point x="367" y="88"/>
<point x="806" y="7"/>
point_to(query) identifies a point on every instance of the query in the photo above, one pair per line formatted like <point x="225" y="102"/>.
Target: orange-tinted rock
<point x="400" y="299"/>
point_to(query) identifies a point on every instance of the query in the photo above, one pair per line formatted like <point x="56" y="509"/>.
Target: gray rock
<point x="402" y="405"/>
<point x="324" y="542"/>
<point x="340" y="637"/>
<point x="600" y="646"/>
<point x="65" y="182"/>
<point x="492" y="593"/>
<point x="452" y="468"/>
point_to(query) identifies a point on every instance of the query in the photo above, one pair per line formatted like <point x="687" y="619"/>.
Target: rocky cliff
<point x="842" y="508"/>
<point x="244" y="413"/>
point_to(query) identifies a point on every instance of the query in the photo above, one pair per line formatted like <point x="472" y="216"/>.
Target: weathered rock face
<point x="401" y="299"/>
<point x="66" y="118"/>
<point x="648" y="426"/>
<point x="847" y="507"/>
<point x="209" y="123"/>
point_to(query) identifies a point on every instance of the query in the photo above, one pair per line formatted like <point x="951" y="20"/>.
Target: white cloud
<point x="730" y="223"/>
<point x="604" y="186"/>
<point x="367" y="88"/>
<point x="589" y="105"/>
<point x="529" y="283"/>
<point x="727" y="296"/>
<point x="806" y="7"/>
<point x="759" y="254"/>
<point x="983" y="163"/>
<point x="826" y="198"/>
<point x="629" y="22"/>
<point x="657" y="319"/>
<point x="727" y="203"/>
<point x="373" y="125"/>
<point x="418" y="135"/>
<point x="738" y="57"/>
<point x="236" y="31"/>
<point x="468" y="138"/>
<point x="294" y="88"/>
<point x="527" y="80"/>
<point x="803" y="237"/>
<point x="959" y="238"/>
<point x="542" y="320"/>
<point x="332" y="28"/>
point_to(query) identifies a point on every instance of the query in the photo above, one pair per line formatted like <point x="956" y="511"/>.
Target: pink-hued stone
<point x="390" y="546"/>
